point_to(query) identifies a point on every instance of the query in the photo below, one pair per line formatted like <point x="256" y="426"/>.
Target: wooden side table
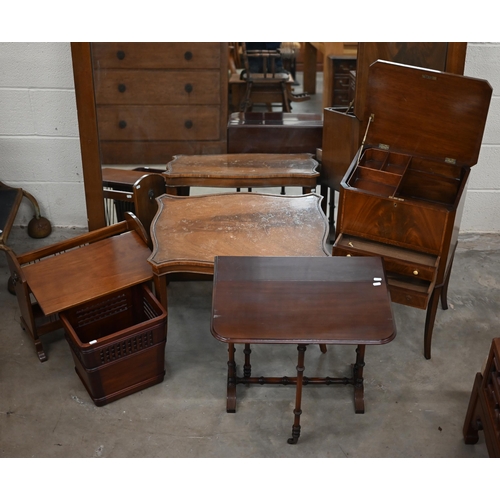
<point x="75" y="271"/>
<point x="242" y="171"/>
<point x="188" y="232"/>
<point x="133" y="191"/>
<point x="271" y="300"/>
<point x="483" y="412"/>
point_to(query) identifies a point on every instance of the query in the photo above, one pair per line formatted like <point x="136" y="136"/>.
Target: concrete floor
<point x="414" y="407"/>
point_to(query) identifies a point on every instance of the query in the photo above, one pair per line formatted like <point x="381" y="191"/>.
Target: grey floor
<point x="414" y="407"/>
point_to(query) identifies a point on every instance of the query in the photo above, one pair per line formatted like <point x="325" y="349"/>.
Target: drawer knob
<point x="348" y="255"/>
<point x="122" y="123"/>
<point x="121" y="88"/>
<point x="188" y="56"/>
<point x="188" y="88"/>
<point x="121" y="55"/>
<point x="188" y="124"/>
<point x="415" y="272"/>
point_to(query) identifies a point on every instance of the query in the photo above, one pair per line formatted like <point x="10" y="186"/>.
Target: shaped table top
<point x="188" y="232"/>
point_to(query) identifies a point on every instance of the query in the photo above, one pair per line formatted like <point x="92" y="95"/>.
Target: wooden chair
<point x="32" y="317"/>
<point x="133" y="191"/>
<point x="265" y="81"/>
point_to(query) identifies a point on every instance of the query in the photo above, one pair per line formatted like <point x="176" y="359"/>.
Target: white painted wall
<point x="39" y="141"/>
<point x="482" y="204"/>
<point x="40" y="150"/>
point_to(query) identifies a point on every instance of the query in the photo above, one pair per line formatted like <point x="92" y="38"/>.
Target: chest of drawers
<point x="402" y="196"/>
<point x="156" y="100"/>
<point x="341" y="68"/>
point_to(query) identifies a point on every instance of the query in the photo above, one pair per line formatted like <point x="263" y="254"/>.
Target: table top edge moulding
<point x="349" y="282"/>
<point x="249" y="166"/>
<point x="188" y="232"/>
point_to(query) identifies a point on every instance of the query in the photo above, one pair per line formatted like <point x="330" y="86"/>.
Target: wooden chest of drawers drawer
<point x="158" y="55"/>
<point x="396" y="260"/>
<point x="134" y="86"/>
<point x="150" y="123"/>
<point x="411" y="275"/>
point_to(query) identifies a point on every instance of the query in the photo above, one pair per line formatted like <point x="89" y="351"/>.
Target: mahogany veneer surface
<point x="258" y="169"/>
<point x="113" y="264"/>
<point x="302" y="300"/>
<point x="188" y="232"/>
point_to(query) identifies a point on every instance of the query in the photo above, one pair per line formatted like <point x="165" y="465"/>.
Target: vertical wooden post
<point x="89" y="137"/>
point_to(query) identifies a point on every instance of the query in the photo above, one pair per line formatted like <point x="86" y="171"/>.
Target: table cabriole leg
<point x="357" y="376"/>
<point x="430" y="318"/>
<point x="298" y="396"/>
<point x="231" y="380"/>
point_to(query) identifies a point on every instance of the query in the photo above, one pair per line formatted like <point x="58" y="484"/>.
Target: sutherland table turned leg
<point x="357" y="376"/>
<point x="298" y="396"/>
<point x="231" y="380"/>
<point x="247" y="367"/>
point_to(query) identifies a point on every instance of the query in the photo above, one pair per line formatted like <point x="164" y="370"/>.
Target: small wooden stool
<point x="272" y="300"/>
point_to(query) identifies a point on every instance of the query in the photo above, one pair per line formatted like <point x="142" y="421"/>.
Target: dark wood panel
<point x="89" y="136"/>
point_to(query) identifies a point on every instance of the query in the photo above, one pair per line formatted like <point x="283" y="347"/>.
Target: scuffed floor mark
<point x="98" y="452"/>
<point x="78" y="400"/>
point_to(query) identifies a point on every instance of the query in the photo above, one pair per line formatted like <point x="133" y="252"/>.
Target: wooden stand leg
<point x="444" y="289"/>
<point x="298" y="396"/>
<point x="429" y="322"/>
<point x="231" y="380"/>
<point x="357" y="375"/>
<point x="324" y="201"/>
<point x="160" y="283"/>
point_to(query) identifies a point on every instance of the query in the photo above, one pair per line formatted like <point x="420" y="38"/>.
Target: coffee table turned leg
<point x="231" y="380"/>
<point x="357" y="375"/>
<point x="298" y="396"/>
<point x="247" y="367"/>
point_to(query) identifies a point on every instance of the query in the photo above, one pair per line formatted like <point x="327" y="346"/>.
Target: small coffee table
<point x="188" y="232"/>
<point x="300" y="300"/>
<point x="242" y="171"/>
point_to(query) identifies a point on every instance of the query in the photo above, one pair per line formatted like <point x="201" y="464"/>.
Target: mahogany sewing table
<point x="188" y="232"/>
<point x="300" y="300"/>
